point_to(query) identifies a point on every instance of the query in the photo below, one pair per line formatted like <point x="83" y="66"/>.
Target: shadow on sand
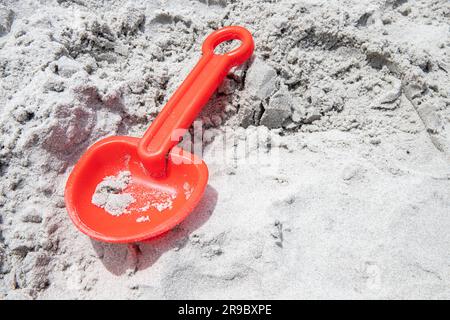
<point x="118" y="258"/>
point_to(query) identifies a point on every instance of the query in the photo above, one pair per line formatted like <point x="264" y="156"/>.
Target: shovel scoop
<point x="164" y="181"/>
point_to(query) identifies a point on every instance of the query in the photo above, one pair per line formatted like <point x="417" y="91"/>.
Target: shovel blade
<point x="159" y="204"/>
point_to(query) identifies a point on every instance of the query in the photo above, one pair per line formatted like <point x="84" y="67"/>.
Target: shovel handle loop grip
<point x="183" y="107"/>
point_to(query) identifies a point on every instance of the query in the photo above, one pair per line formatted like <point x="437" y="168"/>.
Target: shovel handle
<point x="183" y="107"/>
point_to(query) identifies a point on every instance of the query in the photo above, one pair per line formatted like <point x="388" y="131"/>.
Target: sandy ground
<point x="329" y="151"/>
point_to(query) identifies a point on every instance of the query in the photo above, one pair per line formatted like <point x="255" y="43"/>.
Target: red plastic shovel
<point x="160" y="171"/>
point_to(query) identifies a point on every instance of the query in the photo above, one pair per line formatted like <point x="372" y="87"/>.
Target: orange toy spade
<point x="160" y="171"/>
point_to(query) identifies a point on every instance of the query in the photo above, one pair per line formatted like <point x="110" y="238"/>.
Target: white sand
<point x="335" y="178"/>
<point x="143" y="219"/>
<point x="109" y="194"/>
